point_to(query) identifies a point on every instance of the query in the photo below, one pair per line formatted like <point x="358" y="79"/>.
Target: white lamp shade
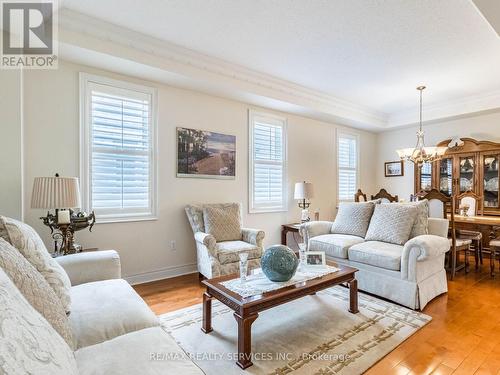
<point x="55" y="192"/>
<point x="303" y="190"/>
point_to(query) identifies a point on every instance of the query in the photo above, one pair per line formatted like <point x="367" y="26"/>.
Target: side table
<point x="285" y="228"/>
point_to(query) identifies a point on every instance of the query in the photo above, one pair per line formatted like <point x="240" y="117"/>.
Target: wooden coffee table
<point x="246" y="310"/>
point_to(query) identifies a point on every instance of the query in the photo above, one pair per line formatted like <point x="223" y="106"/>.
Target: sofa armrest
<point x="427" y="246"/>
<point x="91" y="266"/>
<point x="207" y="240"/>
<point x="253" y="236"/>
<point x="419" y="249"/>
<point x="312" y="229"/>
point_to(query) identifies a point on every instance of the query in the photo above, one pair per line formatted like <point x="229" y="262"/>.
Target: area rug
<point x="312" y="335"/>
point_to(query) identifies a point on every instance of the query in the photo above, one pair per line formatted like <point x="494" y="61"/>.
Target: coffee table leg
<point x="353" y="296"/>
<point x="245" y="339"/>
<point x="207" y="313"/>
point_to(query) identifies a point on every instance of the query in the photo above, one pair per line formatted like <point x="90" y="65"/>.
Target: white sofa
<point x="115" y="332"/>
<point x="410" y="274"/>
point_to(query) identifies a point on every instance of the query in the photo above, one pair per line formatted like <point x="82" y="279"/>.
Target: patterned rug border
<point x="364" y="300"/>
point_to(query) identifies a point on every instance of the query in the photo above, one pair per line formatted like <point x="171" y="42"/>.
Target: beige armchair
<point x="222" y="258"/>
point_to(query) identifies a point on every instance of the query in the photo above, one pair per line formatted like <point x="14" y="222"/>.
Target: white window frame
<point x="86" y="81"/>
<point x="345" y="134"/>
<point x="275" y="120"/>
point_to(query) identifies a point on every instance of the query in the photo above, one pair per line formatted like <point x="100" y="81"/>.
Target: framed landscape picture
<point x="205" y="154"/>
<point x="394" y="168"/>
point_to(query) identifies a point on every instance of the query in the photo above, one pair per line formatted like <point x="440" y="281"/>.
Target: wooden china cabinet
<point x="472" y="166"/>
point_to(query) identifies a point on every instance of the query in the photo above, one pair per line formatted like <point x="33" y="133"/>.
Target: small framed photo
<point x="315" y="258"/>
<point x="394" y="168"/>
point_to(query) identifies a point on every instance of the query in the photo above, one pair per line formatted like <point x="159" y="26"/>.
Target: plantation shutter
<point x="268" y="157"/>
<point x="347" y="166"/>
<point x="121" y="150"/>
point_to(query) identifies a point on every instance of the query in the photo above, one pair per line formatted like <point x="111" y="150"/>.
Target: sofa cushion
<point x="106" y="309"/>
<point x="35" y="289"/>
<point x="223" y="221"/>
<point x="438" y="227"/>
<point x="28" y="343"/>
<point x="28" y="242"/>
<point x="353" y="218"/>
<point x="149" y="351"/>
<point x="378" y="254"/>
<point x="228" y="251"/>
<point x="334" y="245"/>
<point x="392" y="223"/>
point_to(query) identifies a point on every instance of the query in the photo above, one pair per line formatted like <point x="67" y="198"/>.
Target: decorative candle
<point x="63" y="217"/>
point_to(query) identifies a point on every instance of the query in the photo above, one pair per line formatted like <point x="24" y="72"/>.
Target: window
<point x="347" y="164"/>
<point x="118" y="172"/>
<point x="267" y="162"/>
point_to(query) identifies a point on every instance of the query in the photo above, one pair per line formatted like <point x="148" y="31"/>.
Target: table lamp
<point x="303" y="192"/>
<point x="63" y="195"/>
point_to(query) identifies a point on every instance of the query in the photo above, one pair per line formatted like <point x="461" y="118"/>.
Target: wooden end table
<point x="285" y="228"/>
<point x="246" y="310"/>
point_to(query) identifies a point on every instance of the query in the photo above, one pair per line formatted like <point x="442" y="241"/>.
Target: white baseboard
<point x="164" y="273"/>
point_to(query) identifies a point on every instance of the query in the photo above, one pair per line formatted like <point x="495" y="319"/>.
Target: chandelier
<point x="420" y="154"/>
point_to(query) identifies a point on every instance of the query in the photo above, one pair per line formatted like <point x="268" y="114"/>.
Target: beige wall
<point x="481" y="127"/>
<point x="51" y="105"/>
<point x="10" y="144"/>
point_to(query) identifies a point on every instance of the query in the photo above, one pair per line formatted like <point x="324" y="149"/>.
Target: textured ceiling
<point x="372" y="53"/>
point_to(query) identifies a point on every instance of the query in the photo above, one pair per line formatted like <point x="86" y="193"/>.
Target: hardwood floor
<point x="463" y="337"/>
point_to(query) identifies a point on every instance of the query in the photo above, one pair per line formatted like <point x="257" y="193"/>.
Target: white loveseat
<point x="115" y="331"/>
<point x="112" y="330"/>
<point x="410" y="273"/>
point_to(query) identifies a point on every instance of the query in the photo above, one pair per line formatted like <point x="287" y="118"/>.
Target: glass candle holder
<point x="302" y="254"/>
<point x="243" y="266"/>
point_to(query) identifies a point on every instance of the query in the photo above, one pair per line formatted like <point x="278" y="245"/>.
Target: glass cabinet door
<point x="466" y="173"/>
<point x="446" y="176"/>
<point x="490" y="182"/>
<point x="425" y="183"/>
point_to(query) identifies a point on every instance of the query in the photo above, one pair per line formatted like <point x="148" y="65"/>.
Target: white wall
<point x="51" y="107"/>
<point x="10" y="143"/>
<point x="481" y="127"/>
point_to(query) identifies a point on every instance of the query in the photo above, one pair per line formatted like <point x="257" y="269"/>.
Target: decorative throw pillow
<point x="28" y="343"/>
<point x="353" y="218"/>
<point x="35" y="289"/>
<point x="420" y="226"/>
<point x="223" y="221"/>
<point x="392" y="223"/>
<point x="28" y="242"/>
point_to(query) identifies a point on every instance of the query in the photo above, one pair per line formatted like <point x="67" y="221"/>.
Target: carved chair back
<point x="472" y="200"/>
<point x="438" y="207"/>
<point x="360" y="195"/>
<point x="385" y="196"/>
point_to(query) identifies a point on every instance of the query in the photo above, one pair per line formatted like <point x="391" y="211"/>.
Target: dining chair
<point x="359" y="194"/>
<point x="439" y="206"/>
<point x="471" y="203"/>
<point x="495" y="249"/>
<point x="385" y="197"/>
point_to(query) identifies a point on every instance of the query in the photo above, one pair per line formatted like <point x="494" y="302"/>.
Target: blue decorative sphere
<point x="279" y="263"/>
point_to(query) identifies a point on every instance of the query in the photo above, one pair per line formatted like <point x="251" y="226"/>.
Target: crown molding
<point x="87" y="33"/>
<point x="450" y="109"/>
<point x="92" y="42"/>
